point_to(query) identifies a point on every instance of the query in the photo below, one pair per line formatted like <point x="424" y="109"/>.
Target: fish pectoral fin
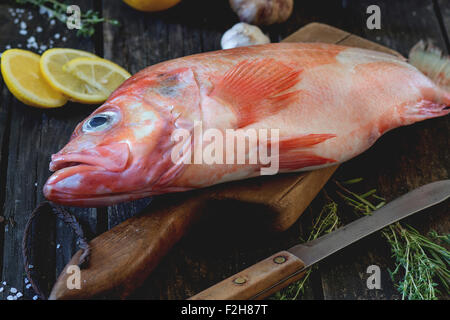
<point x="296" y="152"/>
<point x="256" y="88"/>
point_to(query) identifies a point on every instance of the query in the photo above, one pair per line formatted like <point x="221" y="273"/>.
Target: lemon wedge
<point x="21" y="73"/>
<point x="101" y="76"/>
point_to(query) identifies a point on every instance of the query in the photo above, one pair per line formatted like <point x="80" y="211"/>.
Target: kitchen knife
<point x="279" y="270"/>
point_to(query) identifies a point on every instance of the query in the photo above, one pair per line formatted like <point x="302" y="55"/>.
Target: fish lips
<point x="112" y="157"/>
<point x="84" y="172"/>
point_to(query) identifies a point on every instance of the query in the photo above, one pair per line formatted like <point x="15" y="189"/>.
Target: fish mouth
<point x="111" y="157"/>
<point x="90" y="172"/>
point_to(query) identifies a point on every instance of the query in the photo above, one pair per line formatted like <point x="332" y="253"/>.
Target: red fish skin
<point x="347" y="96"/>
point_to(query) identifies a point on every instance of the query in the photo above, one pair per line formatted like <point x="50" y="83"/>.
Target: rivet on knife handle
<point x="258" y="281"/>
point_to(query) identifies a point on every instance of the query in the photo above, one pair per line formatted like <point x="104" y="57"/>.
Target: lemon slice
<point x="151" y="5"/>
<point x="52" y="62"/>
<point x="100" y="75"/>
<point x="22" y="75"/>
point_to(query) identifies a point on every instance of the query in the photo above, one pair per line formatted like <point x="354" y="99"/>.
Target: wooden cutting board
<point x="123" y="257"/>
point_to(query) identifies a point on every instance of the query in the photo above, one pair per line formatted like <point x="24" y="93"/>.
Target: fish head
<point x="122" y="151"/>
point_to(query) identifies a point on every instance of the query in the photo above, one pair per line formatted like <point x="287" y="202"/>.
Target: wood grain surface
<point x="400" y="161"/>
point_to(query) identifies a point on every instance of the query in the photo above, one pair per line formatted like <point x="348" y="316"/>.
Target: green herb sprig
<point x="58" y="10"/>
<point x="326" y="222"/>
<point x="421" y="262"/>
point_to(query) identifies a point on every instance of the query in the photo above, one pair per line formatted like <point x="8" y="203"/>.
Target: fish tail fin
<point x="431" y="61"/>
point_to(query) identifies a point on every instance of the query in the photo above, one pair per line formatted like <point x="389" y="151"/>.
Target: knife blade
<point x="285" y="267"/>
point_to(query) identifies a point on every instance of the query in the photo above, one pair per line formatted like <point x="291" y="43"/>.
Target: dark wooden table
<point x="400" y="161"/>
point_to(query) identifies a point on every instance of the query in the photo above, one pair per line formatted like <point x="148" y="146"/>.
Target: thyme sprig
<point x="421" y="262"/>
<point x="326" y="222"/>
<point x="58" y="10"/>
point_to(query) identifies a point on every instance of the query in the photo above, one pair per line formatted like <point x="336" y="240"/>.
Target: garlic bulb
<point x="263" y="12"/>
<point x="243" y="34"/>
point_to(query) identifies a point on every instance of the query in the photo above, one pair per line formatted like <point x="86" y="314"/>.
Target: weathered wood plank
<point x="400" y="161"/>
<point x="33" y="136"/>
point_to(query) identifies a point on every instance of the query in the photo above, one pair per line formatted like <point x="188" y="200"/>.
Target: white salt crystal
<point x="23" y="25"/>
<point x="16" y="21"/>
<point x="28" y="286"/>
<point x="38" y="29"/>
<point x="26" y="280"/>
<point x="13" y="290"/>
<point x="58" y="246"/>
<point x="52" y="22"/>
<point x="23" y="32"/>
<point x="30" y="266"/>
<point x="1" y="289"/>
<point x="10" y="298"/>
<point x="57" y="35"/>
<point x="35" y="297"/>
<point x="19" y="294"/>
<point x="4" y="283"/>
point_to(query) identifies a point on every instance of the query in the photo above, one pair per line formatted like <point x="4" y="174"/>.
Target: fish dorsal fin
<point x="255" y="89"/>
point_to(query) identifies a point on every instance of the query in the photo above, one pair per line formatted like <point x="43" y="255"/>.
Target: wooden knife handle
<point x="123" y="257"/>
<point x="258" y="281"/>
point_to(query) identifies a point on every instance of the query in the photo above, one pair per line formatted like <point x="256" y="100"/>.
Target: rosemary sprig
<point x="58" y="10"/>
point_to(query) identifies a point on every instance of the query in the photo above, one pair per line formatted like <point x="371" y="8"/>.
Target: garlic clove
<point x="262" y="12"/>
<point x="243" y="34"/>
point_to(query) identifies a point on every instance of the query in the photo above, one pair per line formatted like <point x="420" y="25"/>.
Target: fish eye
<point x="100" y="121"/>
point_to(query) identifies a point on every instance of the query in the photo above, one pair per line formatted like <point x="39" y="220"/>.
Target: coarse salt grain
<point x="4" y="283"/>
<point x="23" y="25"/>
<point x="30" y="266"/>
<point x="57" y="36"/>
<point x="13" y="290"/>
<point x="35" y="297"/>
<point x="52" y="22"/>
<point x="38" y="29"/>
<point x="23" y="32"/>
<point x="19" y="294"/>
<point x="26" y="280"/>
<point x="16" y="21"/>
<point x="1" y="289"/>
<point x="10" y="298"/>
<point x="58" y="246"/>
<point x="28" y="286"/>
